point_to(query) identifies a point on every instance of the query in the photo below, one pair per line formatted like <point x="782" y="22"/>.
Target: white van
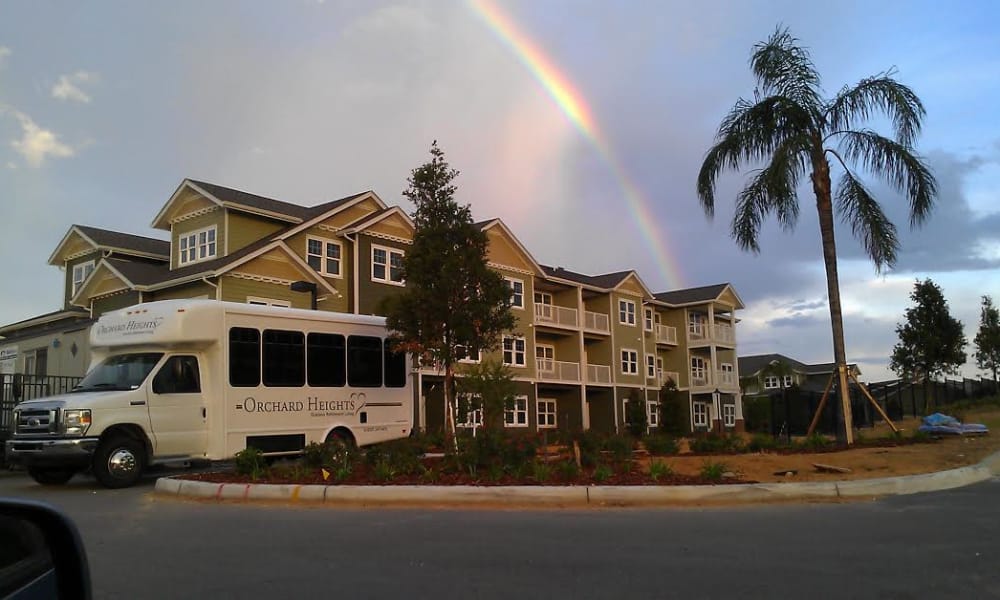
<point x="181" y="381"/>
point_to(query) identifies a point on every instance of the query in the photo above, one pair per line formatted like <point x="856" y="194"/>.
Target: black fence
<point x="16" y="388"/>
<point x="789" y="412"/>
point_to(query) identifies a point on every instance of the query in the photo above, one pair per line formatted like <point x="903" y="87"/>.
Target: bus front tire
<point x="51" y="476"/>
<point x="118" y="462"/>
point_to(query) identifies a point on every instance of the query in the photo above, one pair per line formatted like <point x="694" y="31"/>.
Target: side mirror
<point x="41" y="554"/>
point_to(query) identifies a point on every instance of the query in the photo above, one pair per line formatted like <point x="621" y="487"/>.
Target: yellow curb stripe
<point x="295" y="493"/>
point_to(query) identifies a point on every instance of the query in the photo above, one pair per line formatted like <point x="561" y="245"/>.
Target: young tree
<point x="988" y="338"/>
<point x="931" y="342"/>
<point x="796" y="132"/>
<point x="453" y="303"/>
<point x="493" y="383"/>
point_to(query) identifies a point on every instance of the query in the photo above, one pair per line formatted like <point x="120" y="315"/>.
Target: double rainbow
<point x="576" y="110"/>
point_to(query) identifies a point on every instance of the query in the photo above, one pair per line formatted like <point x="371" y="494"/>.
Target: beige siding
<point x="353" y="213"/>
<point x="191" y="290"/>
<point x="243" y="230"/>
<point x="393" y="226"/>
<point x="631" y="284"/>
<point x="216" y="218"/>
<point x="503" y="251"/>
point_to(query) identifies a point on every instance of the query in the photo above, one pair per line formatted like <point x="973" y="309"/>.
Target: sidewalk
<point x="578" y="496"/>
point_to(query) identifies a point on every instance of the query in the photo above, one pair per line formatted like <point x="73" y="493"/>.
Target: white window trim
<point x="323" y="257"/>
<point x="510" y="282"/>
<point x="650" y="366"/>
<point x="513" y="412"/>
<point x="473" y="418"/>
<point x="182" y="254"/>
<point x="477" y="360"/>
<point x="85" y="275"/>
<point x="789" y="380"/>
<point x="628" y="314"/>
<point x="772" y="382"/>
<point x="388" y="262"/>
<point x="647" y="319"/>
<point x="702" y="368"/>
<point x="554" y="413"/>
<point x="633" y="361"/>
<point x="513" y="351"/>
<point x="652" y="415"/>
<point x="268" y="302"/>
<point x="543" y="298"/>
<point x="729" y="415"/>
<point x="699" y="418"/>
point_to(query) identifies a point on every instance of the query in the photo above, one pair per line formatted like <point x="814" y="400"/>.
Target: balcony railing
<point x="725" y="379"/>
<point x="665" y="334"/>
<point x="557" y="370"/>
<point x="666" y="376"/>
<point x="699" y="378"/>
<point x="598" y="374"/>
<point x="555" y="315"/>
<point x="595" y="321"/>
<point x="720" y="333"/>
<point x="723" y="333"/>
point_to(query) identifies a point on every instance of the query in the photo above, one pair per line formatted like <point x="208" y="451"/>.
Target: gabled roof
<point x="240" y="199"/>
<point x="51" y="318"/>
<point x="114" y="241"/>
<point x="751" y="365"/>
<point x="607" y="281"/>
<point x="698" y="295"/>
<point x="491" y="223"/>
<point x="380" y="215"/>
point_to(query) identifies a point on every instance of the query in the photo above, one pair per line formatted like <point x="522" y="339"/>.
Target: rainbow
<point x="572" y="104"/>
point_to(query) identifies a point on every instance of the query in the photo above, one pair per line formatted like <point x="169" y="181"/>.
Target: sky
<point x="571" y="120"/>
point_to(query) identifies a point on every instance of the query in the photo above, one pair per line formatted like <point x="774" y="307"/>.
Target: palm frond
<point x="880" y="93"/>
<point x="897" y="164"/>
<point x="773" y="189"/>
<point x="869" y="224"/>
<point x="784" y="68"/>
<point x="750" y="133"/>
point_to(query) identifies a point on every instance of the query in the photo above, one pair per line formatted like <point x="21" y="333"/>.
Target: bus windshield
<point x="119" y="372"/>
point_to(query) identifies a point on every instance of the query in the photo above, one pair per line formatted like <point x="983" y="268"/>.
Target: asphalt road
<point x="941" y="545"/>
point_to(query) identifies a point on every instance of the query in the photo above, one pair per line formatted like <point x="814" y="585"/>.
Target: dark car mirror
<point x="41" y="555"/>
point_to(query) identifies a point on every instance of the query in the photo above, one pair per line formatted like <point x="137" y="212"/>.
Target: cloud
<point x="4" y="53"/>
<point x="37" y="144"/>
<point x="68" y="86"/>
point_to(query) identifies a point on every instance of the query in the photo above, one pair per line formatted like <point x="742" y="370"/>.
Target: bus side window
<point x="395" y="366"/>
<point x="364" y="361"/>
<point x="284" y="358"/>
<point x="326" y="358"/>
<point x="244" y="357"/>
<point x="179" y="375"/>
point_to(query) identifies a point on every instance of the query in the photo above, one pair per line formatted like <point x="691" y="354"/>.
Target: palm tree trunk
<point x="824" y="206"/>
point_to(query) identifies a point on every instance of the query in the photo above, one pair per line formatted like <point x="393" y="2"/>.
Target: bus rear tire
<point x="119" y="462"/>
<point x="51" y="476"/>
<point x="342" y="437"/>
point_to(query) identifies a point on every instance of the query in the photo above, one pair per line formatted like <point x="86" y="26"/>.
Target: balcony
<point x="594" y="321"/>
<point x="665" y="334"/>
<point x="557" y="370"/>
<point x="723" y="334"/>
<point x="719" y="333"/>
<point x="599" y="374"/>
<point x="726" y="380"/>
<point x="559" y="316"/>
<point x="699" y="378"/>
<point x="666" y="376"/>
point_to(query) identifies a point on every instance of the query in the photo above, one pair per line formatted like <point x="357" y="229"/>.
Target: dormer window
<point x="80" y="274"/>
<point x="197" y="246"/>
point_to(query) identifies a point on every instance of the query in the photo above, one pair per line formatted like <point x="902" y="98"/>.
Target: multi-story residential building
<point x="764" y="374"/>
<point x="583" y="347"/>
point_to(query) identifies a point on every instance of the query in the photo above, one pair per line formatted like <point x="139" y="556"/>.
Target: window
<point x="789" y="380"/>
<point x="696" y="324"/>
<point x="513" y="351"/>
<point x="284" y="358"/>
<point x="630" y="362"/>
<point x="268" y="302"/>
<point x="326" y="360"/>
<point x="468" y="411"/>
<point x="648" y="319"/>
<point x="729" y="415"/>
<point x="387" y="265"/>
<point x="546" y="414"/>
<point x="395" y="366"/>
<point x="80" y="274"/>
<point x="545" y="358"/>
<point x="699" y="371"/>
<point x="244" y="357"/>
<point x="364" y="361"/>
<point x="699" y="410"/>
<point x="626" y="312"/>
<point x="198" y="245"/>
<point x="659" y="369"/>
<point x="516" y="292"/>
<point x="324" y="256"/>
<point x="179" y="375"/>
<point x="543" y="298"/>
<point x="652" y="414"/>
<point x="515" y="414"/>
<point x="771" y="382"/>
<point x="650" y="366"/>
<point x="464" y="355"/>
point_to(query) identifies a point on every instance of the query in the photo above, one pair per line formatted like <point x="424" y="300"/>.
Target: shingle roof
<point x="56" y="316"/>
<point x="705" y="293"/>
<point x="606" y="281"/>
<point x="749" y="365"/>
<point x="140" y="273"/>
<point x="126" y="241"/>
<point x="253" y="200"/>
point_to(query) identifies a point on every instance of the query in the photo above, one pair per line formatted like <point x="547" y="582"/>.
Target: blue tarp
<point x="946" y="424"/>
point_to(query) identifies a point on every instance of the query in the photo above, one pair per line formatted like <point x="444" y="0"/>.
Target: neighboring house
<point x="582" y="348"/>
<point x="764" y="374"/>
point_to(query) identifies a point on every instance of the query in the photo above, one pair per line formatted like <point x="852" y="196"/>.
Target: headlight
<point x="76" y="422"/>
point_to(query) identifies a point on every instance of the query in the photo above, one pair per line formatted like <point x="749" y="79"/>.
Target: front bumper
<point x="74" y="452"/>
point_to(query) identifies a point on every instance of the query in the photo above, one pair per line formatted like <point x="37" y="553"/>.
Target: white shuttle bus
<point x="180" y="381"/>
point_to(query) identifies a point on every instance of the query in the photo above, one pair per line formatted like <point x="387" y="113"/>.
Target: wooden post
<point x="822" y="405"/>
<point x="868" y="395"/>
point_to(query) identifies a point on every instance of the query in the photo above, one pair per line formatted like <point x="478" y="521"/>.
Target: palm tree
<point x="792" y="130"/>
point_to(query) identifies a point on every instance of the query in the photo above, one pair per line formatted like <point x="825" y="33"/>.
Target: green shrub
<point x="713" y="471"/>
<point x="659" y="469"/>
<point x="568" y="470"/>
<point x="761" y="442"/>
<point x="638" y="420"/>
<point x="620" y="447"/>
<point x="330" y="455"/>
<point x="921" y="436"/>
<point x="816" y="441"/>
<point x="660" y="444"/>
<point x="715" y="443"/>
<point x="430" y="475"/>
<point x="250" y="462"/>
<point x="590" y="443"/>
<point x="602" y="473"/>
<point x="402" y="457"/>
<point x="541" y="472"/>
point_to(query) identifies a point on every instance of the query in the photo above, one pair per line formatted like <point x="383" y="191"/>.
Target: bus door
<point x="178" y="412"/>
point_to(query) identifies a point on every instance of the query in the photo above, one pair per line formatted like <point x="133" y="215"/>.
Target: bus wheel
<point x="118" y="462"/>
<point x="51" y="476"/>
<point x="341" y="437"/>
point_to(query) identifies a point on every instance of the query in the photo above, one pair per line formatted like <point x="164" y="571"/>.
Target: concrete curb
<point x="556" y="496"/>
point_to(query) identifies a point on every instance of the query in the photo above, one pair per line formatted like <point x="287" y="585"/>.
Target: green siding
<point x="68" y="275"/>
<point x="627" y="337"/>
<point x="216" y="217"/>
<point x="244" y="229"/>
<point x="372" y="294"/>
<point x="190" y="290"/>
<point x="297" y="244"/>
<point x="115" y="302"/>
<point x="233" y="289"/>
<point x="601" y="407"/>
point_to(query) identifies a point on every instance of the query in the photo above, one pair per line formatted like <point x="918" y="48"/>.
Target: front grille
<point x="36" y="421"/>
